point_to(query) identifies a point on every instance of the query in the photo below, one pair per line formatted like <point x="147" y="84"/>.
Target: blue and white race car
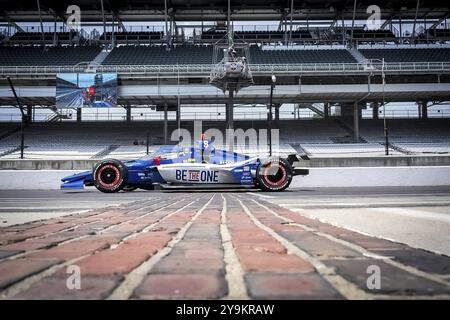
<point x="201" y="166"/>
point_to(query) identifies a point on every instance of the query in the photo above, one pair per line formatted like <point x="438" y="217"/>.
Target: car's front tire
<point x="274" y="174"/>
<point x="110" y="175"/>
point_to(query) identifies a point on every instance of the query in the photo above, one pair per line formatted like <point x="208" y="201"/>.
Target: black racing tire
<point x="129" y="188"/>
<point x="274" y="174"/>
<point x="110" y="175"/>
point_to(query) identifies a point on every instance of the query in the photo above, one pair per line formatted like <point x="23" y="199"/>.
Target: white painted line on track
<point x="297" y="209"/>
<point x="414" y="213"/>
<point x="260" y="195"/>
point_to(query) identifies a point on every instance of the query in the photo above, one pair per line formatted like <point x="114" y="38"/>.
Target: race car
<point x="202" y="166"/>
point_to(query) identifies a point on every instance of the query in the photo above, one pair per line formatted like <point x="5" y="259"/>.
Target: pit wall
<point x="318" y="177"/>
<point x="315" y="162"/>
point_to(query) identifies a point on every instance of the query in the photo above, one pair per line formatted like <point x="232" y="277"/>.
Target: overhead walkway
<point x="201" y="94"/>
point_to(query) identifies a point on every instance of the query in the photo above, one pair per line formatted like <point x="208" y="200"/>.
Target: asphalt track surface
<point x="215" y="244"/>
<point x="70" y="98"/>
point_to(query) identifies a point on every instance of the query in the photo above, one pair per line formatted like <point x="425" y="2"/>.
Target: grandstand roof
<point x="213" y="10"/>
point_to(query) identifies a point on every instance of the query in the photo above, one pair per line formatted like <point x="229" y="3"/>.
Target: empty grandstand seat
<point x="371" y="34"/>
<point x="36" y="37"/>
<point x="258" y="56"/>
<point x="345" y="149"/>
<point x="317" y="137"/>
<point x="46" y="56"/>
<point x="440" y="33"/>
<point x="134" y="36"/>
<point x="408" y="55"/>
<point x="406" y="131"/>
<point x="144" y="55"/>
<point x="266" y="36"/>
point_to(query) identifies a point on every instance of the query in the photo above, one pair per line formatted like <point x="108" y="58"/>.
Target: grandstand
<point x="328" y="70"/>
<point x="258" y="36"/>
<point x="142" y="37"/>
<point x="47" y="56"/>
<point x="27" y="38"/>
<point x="143" y="55"/>
<point x="315" y="137"/>
<point x="408" y="55"/>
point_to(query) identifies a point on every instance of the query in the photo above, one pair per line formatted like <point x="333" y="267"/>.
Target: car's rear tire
<point x="274" y="174"/>
<point x="110" y="175"/>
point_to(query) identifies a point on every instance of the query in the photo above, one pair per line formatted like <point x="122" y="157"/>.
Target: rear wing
<point x="296" y="157"/>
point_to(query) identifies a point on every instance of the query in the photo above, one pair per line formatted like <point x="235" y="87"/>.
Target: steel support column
<point x="277" y="112"/>
<point x="166" y="138"/>
<point x="29" y="117"/>
<point x="79" y="115"/>
<point x="229" y="121"/>
<point x="229" y="111"/>
<point x="326" y="110"/>
<point x="356" y="122"/>
<point x="423" y="110"/>
<point x="375" y="110"/>
<point x="128" y="117"/>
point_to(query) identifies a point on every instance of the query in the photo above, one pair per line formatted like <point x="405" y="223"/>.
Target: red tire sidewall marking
<point x="279" y="182"/>
<point x="116" y="180"/>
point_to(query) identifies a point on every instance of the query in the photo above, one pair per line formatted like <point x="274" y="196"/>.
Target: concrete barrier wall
<point x="315" y="162"/>
<point x="32" y="179"/>
<point x="375" y="177"/>
<point x="318" y="177"/>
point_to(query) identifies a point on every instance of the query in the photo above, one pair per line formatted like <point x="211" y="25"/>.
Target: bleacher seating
<point x="36" y="37"/>
<point x="371" y="34"/>
<point x="263" y="36"/>
<point x="258" y="56"/>
<point x="346" y="149"/>
<point x="408" y="55"/>
<point x="406" y="131"/>
<point x="71" y="141"/>
<point x="213" y="34"/>
<point x="46" y="56"/>
<point x="56" y="152"/>
<point x="324" y="131"/>
<point x="134" y="36"/>
<point x="130" y="152"/>
<point x="144" y="55"/>
<point x="317" y="137"/>
<point x="440" y="33"/>
<point x="6" y="128"/>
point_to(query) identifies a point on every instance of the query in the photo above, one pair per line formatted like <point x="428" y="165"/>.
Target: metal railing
<point x="205" y="69"/>
<point x="304" y="114"/>
<point x="286" y="68"/>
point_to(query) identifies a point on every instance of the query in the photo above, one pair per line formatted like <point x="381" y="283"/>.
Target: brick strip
<point x="419" y="259"/>
<point x="134" y="281"/>
<point x="347" y="259"/>
<point x="85" y="227"/>
<point x="274" y="267"/>
<point x="194" y="268"/>
<point x="74" y="251"/>
<point x="234" y="273"/>
<point x="17" y="237"/>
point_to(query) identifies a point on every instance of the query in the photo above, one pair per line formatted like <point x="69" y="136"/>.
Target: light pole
<point x="386" y="135"/>
<point x="22" y="123"/>
<point x="272" y="86"/>
<point x="385" y="127"/>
